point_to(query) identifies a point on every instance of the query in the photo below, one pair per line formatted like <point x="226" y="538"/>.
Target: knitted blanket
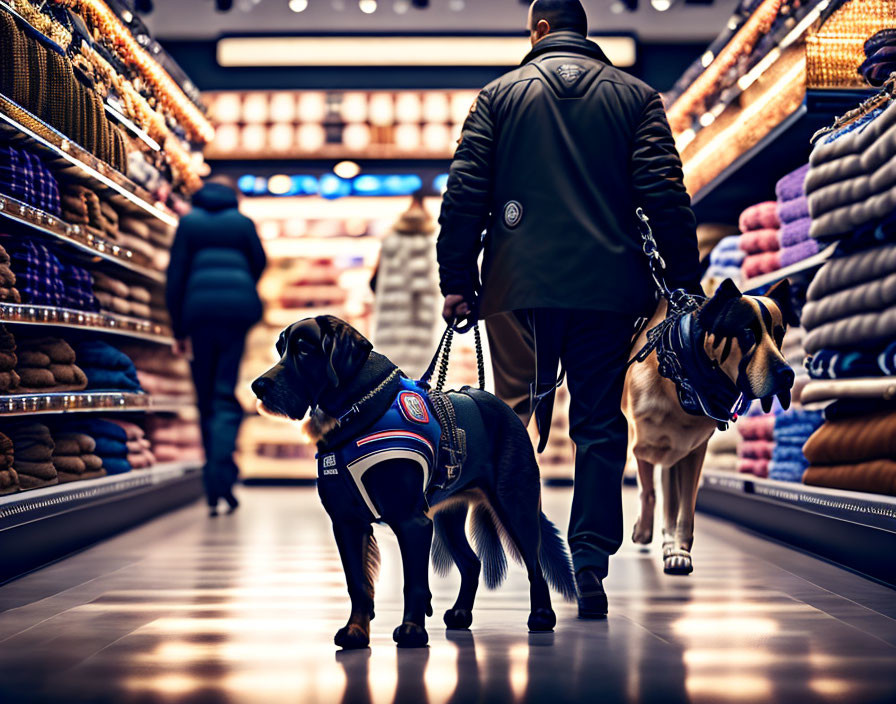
<point x="853" y="440"/>
<point x="870" y="297"/>
<point x="877" y="477"/>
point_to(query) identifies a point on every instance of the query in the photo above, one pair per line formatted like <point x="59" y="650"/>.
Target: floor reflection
<point x="243" y="609"/>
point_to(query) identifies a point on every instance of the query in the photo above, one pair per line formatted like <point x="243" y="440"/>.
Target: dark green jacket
<point x="216" y="261"/>
<point x="554" y="160"/>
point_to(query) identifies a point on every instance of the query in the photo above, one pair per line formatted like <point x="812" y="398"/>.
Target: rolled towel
<point x="762" y="216"/>
<point x="73" y="443"/>
<point x="32" y="380"/>
<point x="9" y="381"/>
<point x="853" y="440"/>
<point x="9" y="481"/>
<point x="758" y="264"/>
<point x="756" y="449"/>
<point x="10" y="295"/>
<point x="104" y="282"/>
<point x="69" y="376"/>
<point x="113" y="303"/>
<point x="134" y="226"/>
<point x="30" y="357"/>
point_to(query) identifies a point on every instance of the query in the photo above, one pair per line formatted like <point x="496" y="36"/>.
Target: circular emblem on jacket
<point x="413" y="407"/>
<point x="513" y="213"/>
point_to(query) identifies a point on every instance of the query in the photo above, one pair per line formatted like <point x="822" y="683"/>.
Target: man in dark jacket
<point x="555" y="158"/>
<point x="216" y="261"/>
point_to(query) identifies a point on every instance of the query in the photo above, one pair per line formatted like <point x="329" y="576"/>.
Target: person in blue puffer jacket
<point x="216" y="261"/>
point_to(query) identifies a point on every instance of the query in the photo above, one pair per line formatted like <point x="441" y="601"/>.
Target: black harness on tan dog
<point x="703" y="389"/>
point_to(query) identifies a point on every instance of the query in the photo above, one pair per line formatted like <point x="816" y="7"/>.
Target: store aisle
<point x="243" y="609"/>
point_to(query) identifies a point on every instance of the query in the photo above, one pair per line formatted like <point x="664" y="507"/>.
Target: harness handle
<point x="443" y="353"/>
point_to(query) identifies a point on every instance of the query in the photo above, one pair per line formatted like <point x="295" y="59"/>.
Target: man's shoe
<point x="592" y="597"/>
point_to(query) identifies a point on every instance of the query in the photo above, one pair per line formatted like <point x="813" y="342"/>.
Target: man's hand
<point x="456" y="308"/>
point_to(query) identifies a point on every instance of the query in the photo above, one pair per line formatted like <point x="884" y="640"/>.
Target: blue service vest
<point x="408" y="430"/>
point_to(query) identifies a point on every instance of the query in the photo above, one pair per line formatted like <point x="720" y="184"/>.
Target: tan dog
<point x="736" y="337"/>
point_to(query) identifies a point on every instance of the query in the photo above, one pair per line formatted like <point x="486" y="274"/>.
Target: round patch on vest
<point x="413" y="407"/>
<point x="513" y="213"/>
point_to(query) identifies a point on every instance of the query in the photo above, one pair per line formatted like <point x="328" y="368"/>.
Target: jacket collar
<point x="567" y="42"/>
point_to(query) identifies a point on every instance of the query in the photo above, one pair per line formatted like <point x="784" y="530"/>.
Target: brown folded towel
<point x="136" y="227"/>
<point x="32" y="452"/>
<point x="69" y="463"/>
<point x="877" y="477"/>
<point x="65" y="477"/>
<point x="10" y="295"/>
<point x="7" y="341"/>
<point x="33" y="358"/>
<point x="8" y="361"/>
<point x="113" y="303"/>
<point x="140" y="294"/>
<point x="34" y="380"/>
<point x="9" y="481"/>
<point x="28" y="482"/>
<point x="7" y="277"/>
<point x="104" y="282"/>
<point x="36" y="470"/>
<point x="93" y="463"/>
<point x="853" y="440"/>
<point x="9" y="381"/>
<point x="69" y="375"/>
<point x="58" y="350"/>
<point x="73" y="443"/>
<point x="140" y="310"/>
<point x="4" y="256"/>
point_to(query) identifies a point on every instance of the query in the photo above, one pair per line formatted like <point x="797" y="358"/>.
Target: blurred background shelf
<point x="109" y="323"/>
<point x="12" y="405"/>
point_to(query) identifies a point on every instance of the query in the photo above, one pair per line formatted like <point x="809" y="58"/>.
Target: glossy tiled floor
<point x="243" y="609"/>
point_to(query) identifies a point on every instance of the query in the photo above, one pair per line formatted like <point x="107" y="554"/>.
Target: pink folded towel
<point x="757" y="241"/>
<point x="762" y="216"/>
<point x="757" y="264"/>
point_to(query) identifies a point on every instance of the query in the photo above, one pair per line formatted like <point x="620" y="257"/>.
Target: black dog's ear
<point x="344" y="347"/>
<point x="780" y="293"/>
<point x="727" y="292"/>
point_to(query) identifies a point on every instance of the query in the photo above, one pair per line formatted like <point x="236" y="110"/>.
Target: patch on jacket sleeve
<point x="328" y="465"/>
<point x="413" y="407"/>
<point x="513" y="213"/>
<point x="570" y="72"/>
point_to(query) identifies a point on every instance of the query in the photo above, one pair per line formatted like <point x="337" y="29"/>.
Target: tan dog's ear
<point x="725" y="293"/>
<point x="780" y="293"/>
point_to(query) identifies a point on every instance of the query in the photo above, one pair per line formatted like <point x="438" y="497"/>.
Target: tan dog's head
<point x="744" y="336"/>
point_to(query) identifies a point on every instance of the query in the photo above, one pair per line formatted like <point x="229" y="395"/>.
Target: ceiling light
<point x="346" y="169"/>
<point x="279" y="185"/>
<point x="298" y="5"/>
<point x="368" y="7"/>
<point x="661" y="5"/>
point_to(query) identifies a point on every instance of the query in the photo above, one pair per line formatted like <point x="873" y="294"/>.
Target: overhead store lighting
<point x="661" y="5"/>
<point x="347" y="169"/>
<point x="394" y="51"/>
<point x="368" y="7"/>
<point x="298" y="5"/>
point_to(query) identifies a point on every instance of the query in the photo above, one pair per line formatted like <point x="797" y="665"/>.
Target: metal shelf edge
<point x="7" y="309"/>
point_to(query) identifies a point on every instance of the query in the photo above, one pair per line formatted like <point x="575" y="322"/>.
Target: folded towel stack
<point x="9" y="379"/>
<point x="47" y="364"/>
<point x="74" y="457"/>
<point x="107" y="368"/>
<point x="851" y="182"/>
<point x="82" y="206"/>
<point x="721" y="453"/>
<point x="174" y="440"/>
<point x="792" y="429"/>
<point x="38" y="272"/>
<point x="139" y="447"/>
<point x="761" y="239"/>
<point x="795" y="355"/>
<point x="33" y="454"/>
<point x="725" y="262"/>
<point x="854" y="364"/>
<point x="8" y="291"/>
<point x="858" y="454"/>
<point x="24" y="177"/>
<point x="793" y="211"/>
<point x="757" y="433"/>
<point x="160" y="373"/>
<point x="111" y="442"/>
<point x="9" y="479"/>
<point x="118" y="297"/>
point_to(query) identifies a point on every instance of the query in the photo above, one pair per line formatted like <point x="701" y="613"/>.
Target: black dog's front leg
<point x="353" y="539"/>
<point x="414" y="540"/>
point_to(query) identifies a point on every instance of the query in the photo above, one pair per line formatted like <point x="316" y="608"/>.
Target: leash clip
<point x="353" y="411"/>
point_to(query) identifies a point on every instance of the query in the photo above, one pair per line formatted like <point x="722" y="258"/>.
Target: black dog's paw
<point x="410" y="635"/>
<point x="458" y="618"/>
<point x="542" y="620"/>
<point x="352" y="637"/>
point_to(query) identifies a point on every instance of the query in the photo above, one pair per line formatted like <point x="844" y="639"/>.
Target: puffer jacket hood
<point x="215" y="197"/>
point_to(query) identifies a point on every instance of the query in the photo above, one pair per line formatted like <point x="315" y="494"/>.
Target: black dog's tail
<point x="487" y="532"/>
<point x="556" y="563"/>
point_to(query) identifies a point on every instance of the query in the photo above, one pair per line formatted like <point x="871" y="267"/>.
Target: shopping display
<point x="100" y="148"/>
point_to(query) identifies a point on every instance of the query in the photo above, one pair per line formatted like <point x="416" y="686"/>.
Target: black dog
<point x="328" y="366"/>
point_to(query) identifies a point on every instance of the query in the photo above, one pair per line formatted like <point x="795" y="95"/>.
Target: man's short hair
<point x="562" y="15"/>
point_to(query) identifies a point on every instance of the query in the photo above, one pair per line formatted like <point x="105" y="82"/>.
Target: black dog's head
<point x="317" y="356"/>
<point x="744" y="336"/>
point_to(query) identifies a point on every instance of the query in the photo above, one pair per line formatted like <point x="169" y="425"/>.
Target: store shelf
<point x="758" y="282"/>
<point x="65" y="155"/>
<point x="850" y="528"/>
<point x="110" y="323"/>
<point x="42" y="525"/>
<point x="12" y="405"/>
<point x="785" y="148"/>
<point x="76" y="238"/>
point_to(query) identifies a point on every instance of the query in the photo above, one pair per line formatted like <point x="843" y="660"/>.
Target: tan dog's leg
<point x="685" y="480"/>
<point x="643" y="532"/>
